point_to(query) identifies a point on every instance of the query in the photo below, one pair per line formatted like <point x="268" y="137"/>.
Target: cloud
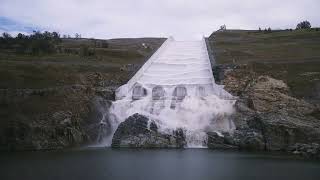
<point x="141" y="18"/>
<point x="13" y="27"/>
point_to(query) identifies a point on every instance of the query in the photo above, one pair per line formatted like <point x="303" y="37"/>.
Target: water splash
<point x="176" y="89"/>
<point x="196" y="115"/>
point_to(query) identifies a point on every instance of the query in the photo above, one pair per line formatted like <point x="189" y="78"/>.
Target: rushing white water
<point x="176" y="89"/>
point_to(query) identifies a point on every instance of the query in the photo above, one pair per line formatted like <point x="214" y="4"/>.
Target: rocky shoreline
<point x="267" y="118"/>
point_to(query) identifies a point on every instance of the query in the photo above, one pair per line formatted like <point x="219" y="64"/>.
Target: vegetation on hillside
<point x="34" y="44"/>
<point x="290" y="55"/>
<point x="44" y="43"/>
<point x="47" y="60"/>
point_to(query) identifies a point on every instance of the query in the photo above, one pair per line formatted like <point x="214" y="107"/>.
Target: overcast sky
<point x="182" y="19"/>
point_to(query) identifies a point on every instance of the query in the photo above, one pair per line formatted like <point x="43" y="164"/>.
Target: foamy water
<point x="176" y="89"/>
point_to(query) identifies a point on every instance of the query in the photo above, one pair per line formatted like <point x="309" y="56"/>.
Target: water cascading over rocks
<point x="175" y="89"/>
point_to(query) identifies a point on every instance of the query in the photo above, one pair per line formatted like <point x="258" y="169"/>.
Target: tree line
<point x="300" y="26"/>
<point x="34" y="44"/>
<point x="42" y="43"/>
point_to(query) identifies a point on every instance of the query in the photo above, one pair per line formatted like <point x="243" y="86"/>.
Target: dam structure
<point x="176" y="89"/>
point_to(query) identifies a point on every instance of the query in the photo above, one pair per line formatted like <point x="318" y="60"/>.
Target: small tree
<point x="269" y="29"/>
<point x="304" y="25"/>
<point x="6" y="35"/>
<point x="77" y="36"/>
<point x="20" y="36"/>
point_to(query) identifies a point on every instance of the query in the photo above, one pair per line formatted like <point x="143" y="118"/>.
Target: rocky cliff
<point x="268" y="117"/>
<point x="53" y="118"/>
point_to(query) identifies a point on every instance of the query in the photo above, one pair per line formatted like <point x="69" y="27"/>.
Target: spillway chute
<point x="176" y="89"/>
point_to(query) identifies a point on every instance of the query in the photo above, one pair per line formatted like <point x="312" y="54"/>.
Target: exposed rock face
<point x="282" y="120"/>
<point x="267" y="117"/>
<point x="52" y="118"/>
<point x="306" y="150"/>
<point x="137" y="131"/>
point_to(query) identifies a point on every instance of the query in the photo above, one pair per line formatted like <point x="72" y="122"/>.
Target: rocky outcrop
<point x="52" y="118"/>
<point x="218" y="141"/>
<point x="282" y="120"/>
<point x="267" y="116"/>
<point x="137" y="131"/>
<point x="306" y="150"/>
<point x="240" y="139"/>
<point x="55" y="117"/>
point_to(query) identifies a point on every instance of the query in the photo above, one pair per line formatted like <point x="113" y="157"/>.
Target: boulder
<point x="249" y="140"/>
<point x="219" y="141"/>
<point x="311" y="150"/>
<point x="138" y="131"/>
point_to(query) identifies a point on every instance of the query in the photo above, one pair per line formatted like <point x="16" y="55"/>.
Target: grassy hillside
<point x="69" y="67"/>
<point x="293" y="56"/>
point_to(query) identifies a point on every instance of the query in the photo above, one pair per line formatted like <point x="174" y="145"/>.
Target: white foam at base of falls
<point x="196" y="115"/>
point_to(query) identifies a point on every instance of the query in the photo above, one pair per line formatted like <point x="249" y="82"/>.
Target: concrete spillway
<point x="176" y="89"/>
<point x="176" y="63"/>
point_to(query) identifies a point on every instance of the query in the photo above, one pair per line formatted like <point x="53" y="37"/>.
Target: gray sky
<point x="182" y="19"/>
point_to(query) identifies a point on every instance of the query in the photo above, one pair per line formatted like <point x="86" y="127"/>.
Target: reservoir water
<point x="193" y="164"/>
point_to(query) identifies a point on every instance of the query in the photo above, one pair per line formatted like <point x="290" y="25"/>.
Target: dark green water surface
<point x="193" y="164"/>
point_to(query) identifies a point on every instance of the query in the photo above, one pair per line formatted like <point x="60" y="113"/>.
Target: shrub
<point x="104" y="44"/>
<point x="84" y="50"/>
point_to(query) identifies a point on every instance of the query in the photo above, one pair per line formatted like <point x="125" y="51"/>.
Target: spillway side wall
<point x="211" y="62"/>
<point x="210" y="52"/>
